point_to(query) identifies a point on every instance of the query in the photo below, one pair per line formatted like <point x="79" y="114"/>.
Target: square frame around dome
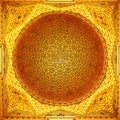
<point x="8" y="90"/>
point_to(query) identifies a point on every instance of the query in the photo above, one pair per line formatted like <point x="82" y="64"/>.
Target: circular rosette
<point x="59" y="58"/>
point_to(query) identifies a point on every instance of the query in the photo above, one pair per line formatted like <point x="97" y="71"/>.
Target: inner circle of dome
<point x="59" y="58"/>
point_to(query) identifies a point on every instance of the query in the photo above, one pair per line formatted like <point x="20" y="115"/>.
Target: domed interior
<point x="59" y="58"/>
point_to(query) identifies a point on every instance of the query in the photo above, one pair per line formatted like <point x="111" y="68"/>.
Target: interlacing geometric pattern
<point x="21" y="103"/>
<point x="57" y="57"/>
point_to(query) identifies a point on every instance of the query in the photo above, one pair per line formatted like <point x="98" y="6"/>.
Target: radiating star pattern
<point x="96" y="14"/>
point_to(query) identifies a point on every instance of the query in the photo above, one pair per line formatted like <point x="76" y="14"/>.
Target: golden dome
<point x="59" y="58"/>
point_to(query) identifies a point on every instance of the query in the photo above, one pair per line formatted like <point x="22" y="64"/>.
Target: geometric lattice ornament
<point x="58" y="59"/>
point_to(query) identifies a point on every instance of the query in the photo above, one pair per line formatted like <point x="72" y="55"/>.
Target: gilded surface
<point x="19" y="102"/>
<point x="62" y="61"/>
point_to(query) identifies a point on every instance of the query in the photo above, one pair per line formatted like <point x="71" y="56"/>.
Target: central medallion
<point x="59" y="58"/>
